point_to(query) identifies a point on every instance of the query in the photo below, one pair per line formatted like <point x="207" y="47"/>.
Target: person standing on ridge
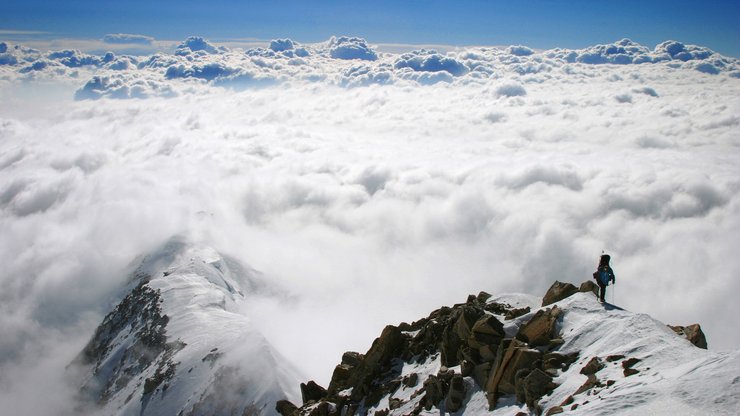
<point x="603" y="275"/>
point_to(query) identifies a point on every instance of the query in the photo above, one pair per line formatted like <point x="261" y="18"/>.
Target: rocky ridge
<point x="177" y="344"/>
<point x="484" y="355"/>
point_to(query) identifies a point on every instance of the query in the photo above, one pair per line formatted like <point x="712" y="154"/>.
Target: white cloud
<point x="345" y="47"/>
<point x="372" y="204"/>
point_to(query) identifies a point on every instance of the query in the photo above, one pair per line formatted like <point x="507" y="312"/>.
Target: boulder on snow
<point x="557" y="361"/>
<point x="592" y="367"/>
<point x="501" y="379"/>
<point x="535" y="385"/>
<point x="628" y="364"/>
<point x="323" y="408"/>
<point x="693" y="333"/>
<point x="456" y="394"/>
<point x="343" y="371"/>
<point x="486" y="331"/>
<point x="555" y="410"/>
<point x="410" y="380"/>
<point x="311" y="391"/>
<point x="589" y="286"/>
<point x="516" y="312"/>
<point x="558" y="291"/>
<point x="591" y="382"/>
<point x="540" y="329"/>
<point x="286" y="408"/>
<point x="435" y="389"/>
<point x="376" y="361"/>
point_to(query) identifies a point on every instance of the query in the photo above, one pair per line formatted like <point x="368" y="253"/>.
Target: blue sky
<point x="537" y="23"/>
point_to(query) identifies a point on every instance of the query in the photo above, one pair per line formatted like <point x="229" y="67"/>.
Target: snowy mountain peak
<point x="512" y="355"/>
<point x="178" y="344"/>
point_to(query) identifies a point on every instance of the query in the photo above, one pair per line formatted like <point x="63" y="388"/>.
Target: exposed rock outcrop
<point x="541" y="328"/>
<point x="286" y="408"/>
<point x="693" y="333"/>
<point x="470" y="335"/>
<point x="440" y="361"/>
<point x="558" y="291"/>
<point x="312" y="392"/>
<point x="589" y="286"/>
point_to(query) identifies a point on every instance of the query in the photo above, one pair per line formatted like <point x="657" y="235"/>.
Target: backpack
<point x="602" y="276"/>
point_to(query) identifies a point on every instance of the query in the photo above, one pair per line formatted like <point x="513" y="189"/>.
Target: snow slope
<point x="674" y="377"/>
<point x="177" y="344"/>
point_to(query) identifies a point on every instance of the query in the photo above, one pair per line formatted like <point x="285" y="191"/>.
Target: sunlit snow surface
<point x="373" y="190"/>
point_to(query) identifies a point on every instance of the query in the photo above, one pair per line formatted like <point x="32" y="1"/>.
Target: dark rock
<point x="519" y="384"/>
<point x="508" y="362"/>
<point x="352" y="358"/>
<point x="340" y="378"/>
<point x="610" y="383"/>
<point x="468" y="316"/>
<point x="522" y="358"/>
<point x="589" y="286"/>
<point x="615" y="357"/>
<point x="558" y="291"/>
<point x="466" y="368"/>
<point x="555" y="343"/>
<point x="376" y="361"/>
<point x="554" y="411"/>
<point x="630" y="372"/>
<point x="483" y="297"/>
<point x="498" y="308"/>
<point x="449" y="347"/>
<point x="539" y="330"/>
<point x="411" y="380"/>
<point x="323" y="409"/>
<point x="489" y="325"/>
<point x="488" y="352"/>
<point x="312" y="391"/>
<point x="436" y="390"/>
<point x="456" y="394"/>
<point x="286" y="408"/>
<point x="590" y="383"/>
<point x="568" y="400"/>
<point x="406" y="327"/>
<point x="486" y="331"/>
<point x="693" y="333"/>
<point x="466" y="353"/>
<point x="592" y="367"/>
<point x="630" y="362"/>
<point x="394" y="403"/>
<point x="517" y="312"/>
<point x="557" y="361"/>
<point x="481" y="373"/>
<point x="536" y="385"/>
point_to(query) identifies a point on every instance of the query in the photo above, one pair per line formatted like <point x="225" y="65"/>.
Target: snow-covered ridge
<point x="178" y="344"/>
<point x="344" y="61"/>
<point x="510" y="356"/>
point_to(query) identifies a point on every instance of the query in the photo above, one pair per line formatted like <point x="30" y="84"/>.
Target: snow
<point x="201" y="294"/>
<point x="671" y="368"/>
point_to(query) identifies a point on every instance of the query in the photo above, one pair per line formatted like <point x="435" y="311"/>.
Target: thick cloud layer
<point x="344" y="61"/>
<point x="372" y="193"/>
